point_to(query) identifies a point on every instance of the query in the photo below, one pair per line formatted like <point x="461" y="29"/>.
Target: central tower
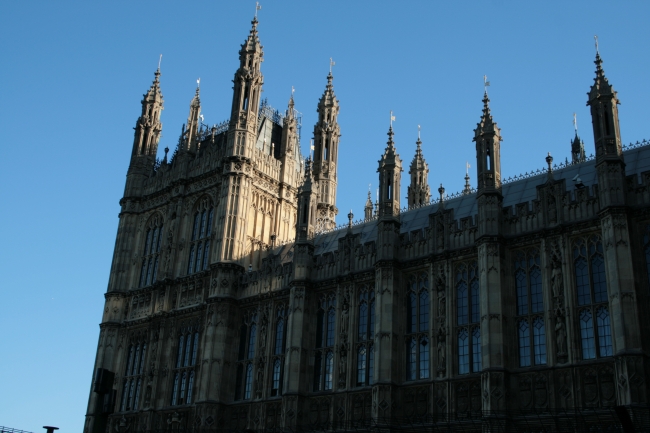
<point x="326" y="153"/>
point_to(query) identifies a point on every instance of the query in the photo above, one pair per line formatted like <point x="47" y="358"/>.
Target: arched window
<point x="365" y="335"/>
<point x="417" y="343"/>
<point x="190" y="386"/>
<point x="463" y="351"/>
<point x="199" y="255"/>
<point x="325" y="337"/>
<point x="275" y="388"/>
<point x="151" y="252"/>
<point x="279" y="332"/>
<point x="412" y="312"/>
<point x="278" y="363"/>
<point x="363" y="320"/>
<point x="530" y="308"/>
<point x="411" y="359"/>
<point x="247" y="349"/>
<point x="133" y="375"/>
<point x="331" y="319"/>
<point x="468" y="328"/>
<point x="423" y="313"/>
<point x="539" y="341"/>
<point x="524" y="343"/>
<point x="591" y="290"/>
<point x="361" y="365"/>
<point x="329" y="370"/>
<point x="424" y="358"/>
<point x="251" y="341"/>
<point x="604" y="331"/>
<point x="248" y="384"/>
<point x="186" y="362"/>
<point x="476" y="348"/>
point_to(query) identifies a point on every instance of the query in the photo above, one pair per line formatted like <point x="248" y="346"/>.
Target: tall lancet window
<point x="418" y="347"/>
<point x="199" y="255"/>
<point x="151" y="251"/>
<point x="325" y="336"/>
<point x="134" y="375"/>
<point x="591" y="290"/>
<point x="245" y="359"/>
<point x="278" y="351"/>
<point x="185" y="368"/>
<point x="365" y="335"/>
<point x="531" y="329"/>
<point x="468" y="329"/>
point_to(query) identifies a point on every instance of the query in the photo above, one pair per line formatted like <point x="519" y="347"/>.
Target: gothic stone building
<point x="235" y="302"/>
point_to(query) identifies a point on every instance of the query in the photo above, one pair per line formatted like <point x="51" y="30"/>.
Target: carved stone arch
<point x="154" y="219"/>
<point x="189" y="204"/>
<point x="213" y="193"/>
<point x="203" y="202"/>
<point x="363" y="288"/>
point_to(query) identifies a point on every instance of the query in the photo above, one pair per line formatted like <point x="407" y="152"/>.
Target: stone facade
<point x="235" y="302"/>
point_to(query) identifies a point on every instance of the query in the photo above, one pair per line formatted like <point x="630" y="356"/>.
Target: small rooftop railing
<point x="11" y="430"/>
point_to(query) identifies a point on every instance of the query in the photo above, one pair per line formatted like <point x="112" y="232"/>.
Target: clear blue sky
<point x="72" y="75"/>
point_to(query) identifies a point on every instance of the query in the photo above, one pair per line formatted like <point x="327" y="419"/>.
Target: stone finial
<point x="350" y="216"/>
<point x="549" y="161"/>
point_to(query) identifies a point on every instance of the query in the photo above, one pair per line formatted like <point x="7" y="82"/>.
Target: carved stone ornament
<point x="442" y="351"/>
<point x="561" y="336"/>
<point x="345" y="319"/>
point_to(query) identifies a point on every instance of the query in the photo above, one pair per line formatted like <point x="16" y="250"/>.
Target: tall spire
<point x="247" y="88"/>
<point x="289" y="150"/>
<point x="146" y="137"/>
<point x="367" y="210"/>
<point x="418" y="191"/>
<point x="603" y="101"/>
<point x="192" y="128"/>
<point x="487" y="136"/>
<point x="577" y="145"/>
<point x="148" y="126"/>
<point x="468" y="187"/>
<point x="487" y="122"/>
<point x="610" y="161"/>
<point x="326" y="150"/>
<point x="390" y="169"/>
<point x="601" y="85"/>
<point x="306" y="226"/>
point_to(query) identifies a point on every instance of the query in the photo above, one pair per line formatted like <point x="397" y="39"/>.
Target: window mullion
<point x="531" y="321"/>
